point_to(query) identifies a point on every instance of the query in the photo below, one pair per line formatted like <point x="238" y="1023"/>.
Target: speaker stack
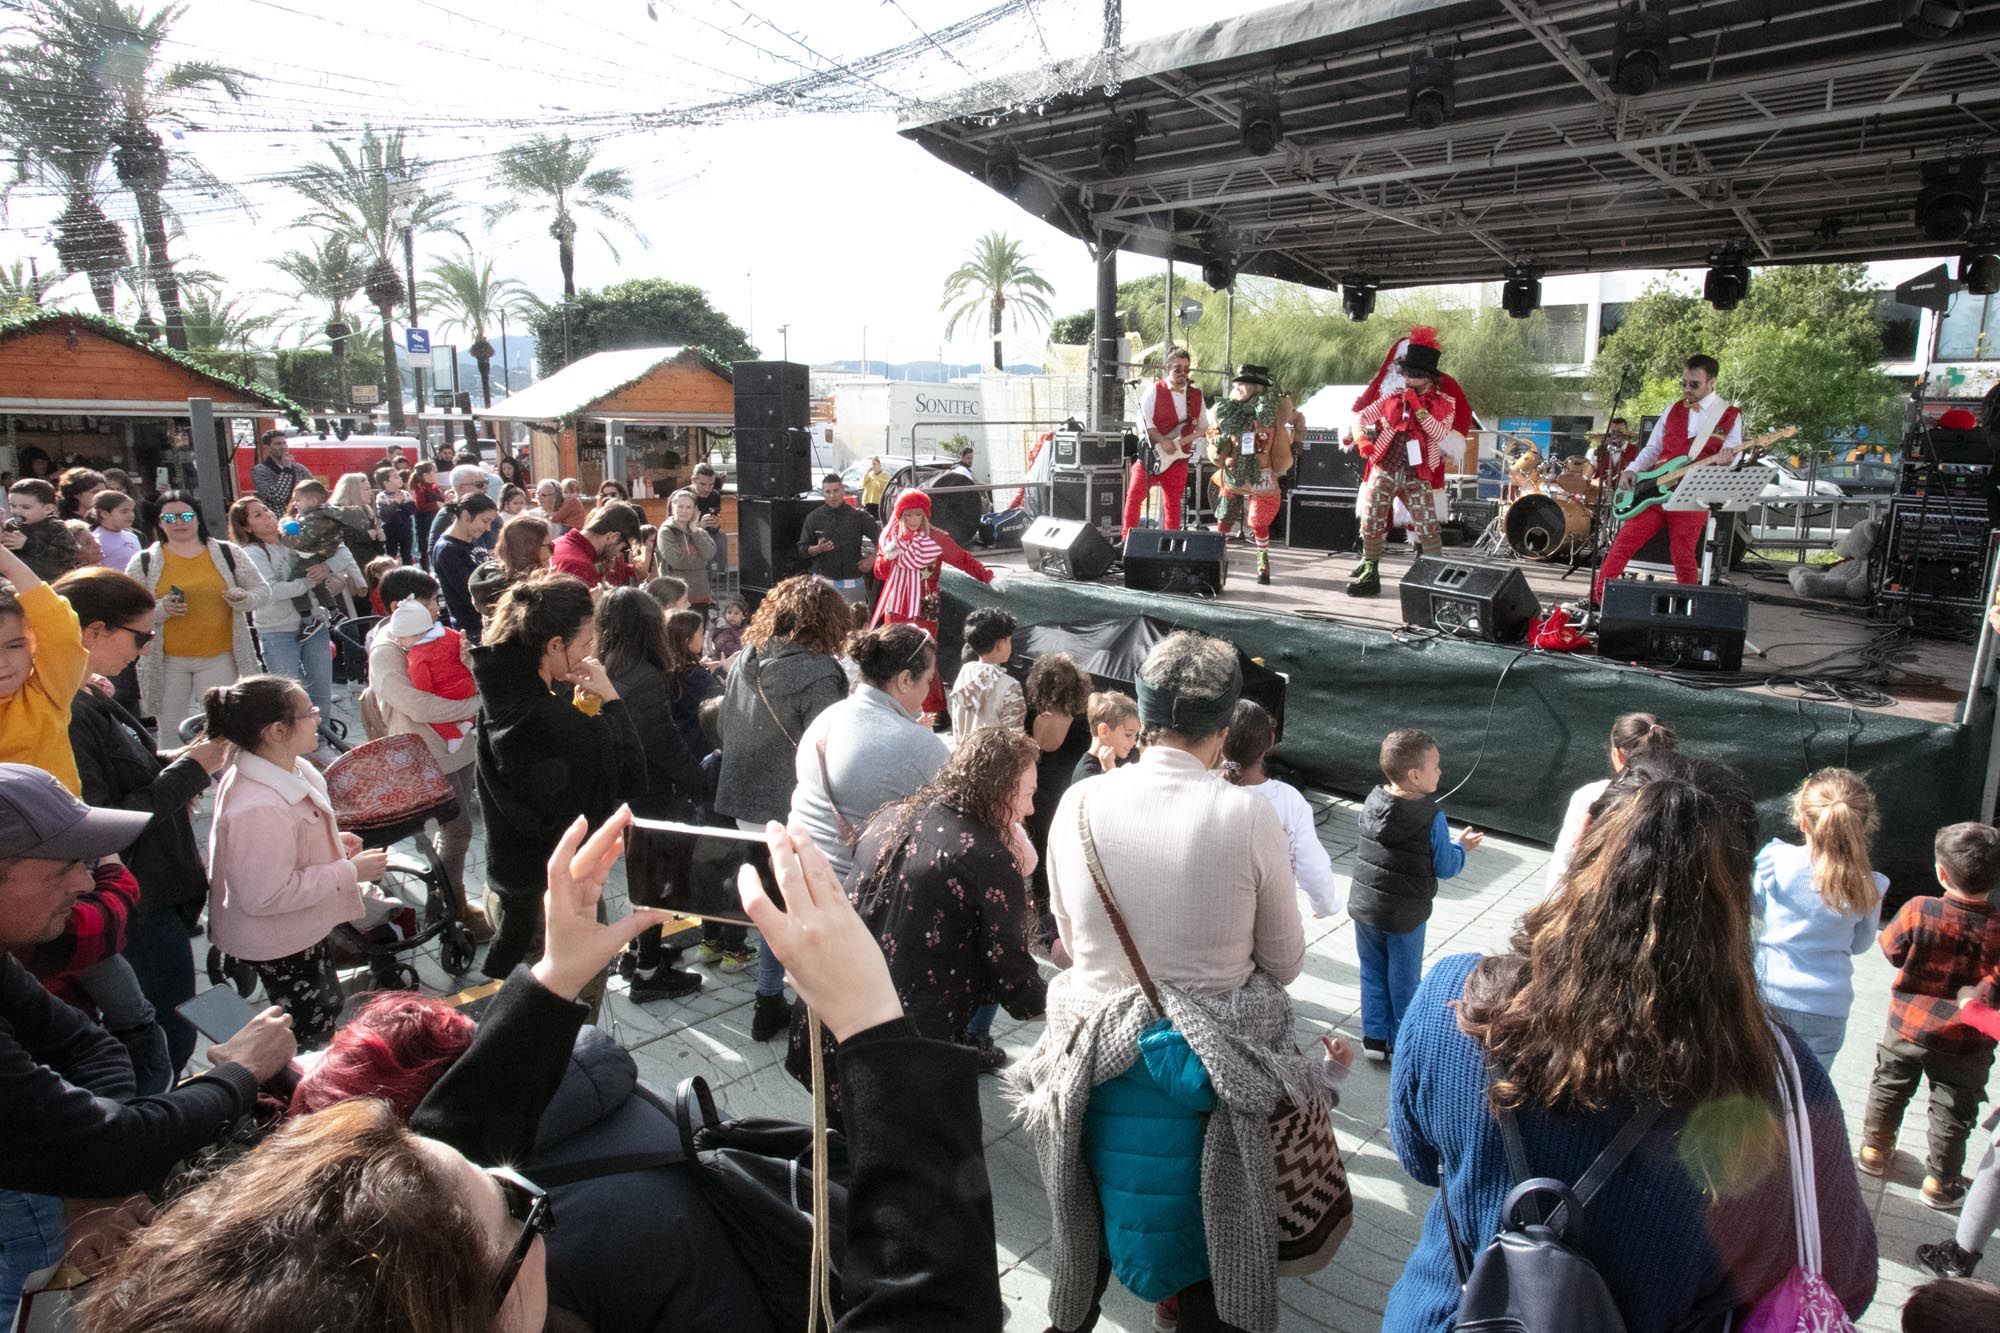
<point x="773" y="421"/>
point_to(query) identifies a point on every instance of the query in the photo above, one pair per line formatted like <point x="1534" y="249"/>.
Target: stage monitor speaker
<point x="1679" y="625"/>
<point x="1322" y="520"/>
<point x="1067" y="548"/>
<point x="1095" y="495"/>
<point x="770" y="377"/>
<point x="1185" y="561"/>
<point x="1469" y="599"/>
<point x="767" y="534"/>
<point x="1325" y="464"/>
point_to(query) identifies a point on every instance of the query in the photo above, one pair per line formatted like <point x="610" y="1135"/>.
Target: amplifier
<point x="1093" y="494"/>
<point x="1067" y="548"/>
<point x="1188" y="561"/>
<point x="1680" y="625"/>
<point x="1317" y="519"/>
<point x="1936" y="552"/>
<point x="1324" y="464"/>
<point x="1950" y="481"/>
<point x="1469" y="599"/>
<point x="1088" y="448"/>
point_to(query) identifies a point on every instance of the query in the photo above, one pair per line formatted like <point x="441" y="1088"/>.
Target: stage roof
<point x="1790" y="129"/>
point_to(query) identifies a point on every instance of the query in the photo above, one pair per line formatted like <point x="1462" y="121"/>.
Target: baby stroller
<point x="384" y="792"/>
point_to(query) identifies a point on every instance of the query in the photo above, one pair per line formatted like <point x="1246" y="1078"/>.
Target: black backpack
<point x="1532" y="1278"/>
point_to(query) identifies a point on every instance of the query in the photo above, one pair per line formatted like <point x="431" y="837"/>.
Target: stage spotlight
<point x="1003" y="171"/>
<point x="1262" y="124"/>
<point x="1727" y="283"/>
<point x="1118" y="145"/>
<point x="1639" y="48"/>
<point x="1522" y="294"/>
<point x="1953" y="198"/>
<point x="1980" y="272"/>
<point x="1932" y="19"/>
<point x="1357" y="298"/>
<point x="1218" y="272"/>
<point x="1432" y="96"/>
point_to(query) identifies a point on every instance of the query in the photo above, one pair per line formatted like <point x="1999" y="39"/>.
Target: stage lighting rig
<point x="1522" y="294"/>
<point x="1639" y="47"/>
<point x="1003" y="171"/>
<point x="1727" y="282"/>
<point x="1262" y="123"/>
<point x="1953" y="198"/>
<point x="1432" y="95"/>
<point x="1933" y="20"/>
<point x="1357" y="298"/>
<point x="1118" y="145"/>
<point x="1218" y="271"/>
<point x="1979" y="270"/>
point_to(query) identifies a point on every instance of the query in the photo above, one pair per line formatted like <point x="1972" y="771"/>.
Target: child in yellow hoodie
<point x="42" y="665"/>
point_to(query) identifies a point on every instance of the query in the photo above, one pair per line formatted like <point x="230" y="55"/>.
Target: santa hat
<point x="910" y="499"/>
<point x="1423" y="335"/>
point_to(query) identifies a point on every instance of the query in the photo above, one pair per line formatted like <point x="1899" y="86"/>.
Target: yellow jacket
<point x="34" y="722"/>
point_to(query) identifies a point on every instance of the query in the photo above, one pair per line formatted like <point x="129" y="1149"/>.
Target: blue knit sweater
<point x="1661" y="1244"/>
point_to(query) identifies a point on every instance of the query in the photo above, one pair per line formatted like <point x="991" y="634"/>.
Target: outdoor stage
<point x="1543" y="717"/>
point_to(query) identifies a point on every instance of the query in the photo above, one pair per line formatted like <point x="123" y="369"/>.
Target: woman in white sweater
<point x="308" y="658"/>
<point x="1633" y="734"/>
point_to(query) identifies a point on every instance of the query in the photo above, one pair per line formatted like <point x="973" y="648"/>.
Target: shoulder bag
<point x="1315" y="1208"/>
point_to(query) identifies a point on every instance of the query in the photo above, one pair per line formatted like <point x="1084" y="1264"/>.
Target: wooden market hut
<point x="82" y="389"/>
<point x="645" y="415"/>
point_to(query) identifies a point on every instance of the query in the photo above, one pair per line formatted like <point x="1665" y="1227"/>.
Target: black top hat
<point x="1249" y="374"/>
<point x="1420" y="359"/>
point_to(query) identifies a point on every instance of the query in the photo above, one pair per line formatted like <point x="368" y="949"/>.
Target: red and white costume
<point x="908" y="566"/>
<point x="1389" y="381"/>
<point x="1393" y="470"/>
<point x="1175" y="414"/>
<point x="1712" y="426"/>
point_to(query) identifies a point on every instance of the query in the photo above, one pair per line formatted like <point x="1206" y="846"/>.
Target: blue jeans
<point x="980" y="1025"/>
<point x="1821" y="1034"/>
<point x="128" y="1015"/>
<point x="156" y="945"/>
<point x="310" y="663"/>
<point x="31" y="1239"/>
<point x="1391" y="966"/>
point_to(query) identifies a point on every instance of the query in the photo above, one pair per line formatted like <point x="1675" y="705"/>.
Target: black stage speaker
<point x="770" y="377"/>
<point x="1679" y="625"/>
<point x="767" y="531"/>
<point x="1469" y="599"/>
<point x="1067" y="548"/>
<point x="1324" y="463"/>
<point x="1093" y="494"/>
<point x="771" y="411"/>
<point x="1187" y="561"/>
<point x="779" y="478"/>
<point x="1322" y="520"/>
<point x="772" y="397"/>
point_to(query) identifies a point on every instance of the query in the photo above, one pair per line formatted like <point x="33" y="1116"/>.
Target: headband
<point x="1161" y="706"/>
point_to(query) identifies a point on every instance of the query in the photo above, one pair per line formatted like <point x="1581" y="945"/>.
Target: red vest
<point x="1164" y="420"/>
<point x="1674" y="442"/>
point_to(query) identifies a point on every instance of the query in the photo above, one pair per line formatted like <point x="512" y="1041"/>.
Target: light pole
<point x="785" y="333"/>
<point x="404" y="196"/>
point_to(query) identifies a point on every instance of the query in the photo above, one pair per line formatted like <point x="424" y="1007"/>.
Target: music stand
<point x="1717" y="490"/>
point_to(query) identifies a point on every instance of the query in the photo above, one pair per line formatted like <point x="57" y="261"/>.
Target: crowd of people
<point x="920" y="844"/>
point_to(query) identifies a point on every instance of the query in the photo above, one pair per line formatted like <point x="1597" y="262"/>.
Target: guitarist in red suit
<point x="1700" y="410"/>
<point x="1172" y="418"/>
<point x="1404" y="457"/>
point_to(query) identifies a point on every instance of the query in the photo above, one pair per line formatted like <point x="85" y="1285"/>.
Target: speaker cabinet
<point x="1469" y="599"/>
<point x="770" y="377"/>
<point x="1322" y="520"/>
<point x="1187" y="561"/>
<point x="1679" y="625"/>
<point x="770" y="411"/>
<point x="784" y="475"/>
<point x="1325" y="465"/>
<point x="767" y="534"/>
<point x="1093" y="494"/>
<point x="1067" y="548"/>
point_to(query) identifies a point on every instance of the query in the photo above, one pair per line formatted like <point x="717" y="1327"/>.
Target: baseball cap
<point x="40" y="820"/>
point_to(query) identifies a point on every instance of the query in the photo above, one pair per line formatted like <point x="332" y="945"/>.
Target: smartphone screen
<point x="694" y="873"/>
<point x="218" y="1013"/>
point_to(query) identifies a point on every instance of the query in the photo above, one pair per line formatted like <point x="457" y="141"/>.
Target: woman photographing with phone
<point x="206" y="591"/>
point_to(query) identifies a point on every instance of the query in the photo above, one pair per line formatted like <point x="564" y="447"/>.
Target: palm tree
<point x="107" y="57"/>
<point x="369" y="197"/>
<point x="22" y="287"/>
<point x="468" y="296"/>
<point x="995" y="276"/>
<point x="217" y="324"/>
<point x="331" y="274"/>
<point x="560" y="171"/>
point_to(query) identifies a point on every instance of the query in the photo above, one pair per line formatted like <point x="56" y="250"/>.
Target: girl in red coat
<point x="908" y="562"/>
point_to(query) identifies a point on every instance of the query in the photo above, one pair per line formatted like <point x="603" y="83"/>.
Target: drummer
<point x="1614" y="453"/>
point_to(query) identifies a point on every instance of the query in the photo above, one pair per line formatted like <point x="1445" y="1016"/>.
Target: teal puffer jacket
<point x="1142" y="1137"/>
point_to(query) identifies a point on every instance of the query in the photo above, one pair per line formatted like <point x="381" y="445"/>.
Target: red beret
<point x="1959" y="418"/>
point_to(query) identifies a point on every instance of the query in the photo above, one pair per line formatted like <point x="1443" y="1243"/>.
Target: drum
<point x="1539" y="527"/>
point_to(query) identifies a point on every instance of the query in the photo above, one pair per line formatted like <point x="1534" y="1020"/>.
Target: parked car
<point x="1868" y="476"/>
<point x="1785" y="483"/>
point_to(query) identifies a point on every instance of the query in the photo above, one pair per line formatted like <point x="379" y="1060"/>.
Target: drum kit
<point x="1553" y="508"/>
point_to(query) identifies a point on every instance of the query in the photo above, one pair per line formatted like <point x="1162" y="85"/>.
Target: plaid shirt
<point x="1939" y="946"/>
<point x="95" y="931"/>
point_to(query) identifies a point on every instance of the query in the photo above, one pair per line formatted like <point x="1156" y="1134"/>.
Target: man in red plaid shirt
<point x="1941" y="946"/>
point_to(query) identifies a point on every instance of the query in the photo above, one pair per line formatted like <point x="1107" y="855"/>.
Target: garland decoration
<point x="1233" y="417"/>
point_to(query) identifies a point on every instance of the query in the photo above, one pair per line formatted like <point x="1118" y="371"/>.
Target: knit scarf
<point x="903" y="595"/>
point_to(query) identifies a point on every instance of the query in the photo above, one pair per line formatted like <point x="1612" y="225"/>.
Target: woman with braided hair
<point x="912" y="555"/>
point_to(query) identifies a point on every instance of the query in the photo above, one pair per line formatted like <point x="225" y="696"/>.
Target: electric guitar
<point x="1656" y="485"/>
<point x="1159" y="457"/>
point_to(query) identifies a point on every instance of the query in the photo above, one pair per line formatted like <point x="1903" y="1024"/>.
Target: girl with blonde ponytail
<point x="1821" y="904"/>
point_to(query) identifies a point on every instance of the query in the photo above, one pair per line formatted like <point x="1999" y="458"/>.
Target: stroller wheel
<point x="387" y="975"/>
<point x="455" y="950"/>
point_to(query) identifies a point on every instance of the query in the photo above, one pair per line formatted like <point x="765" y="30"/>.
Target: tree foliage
<point x="645" y="312"/>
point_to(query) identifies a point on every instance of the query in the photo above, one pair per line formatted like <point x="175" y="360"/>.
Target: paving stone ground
<point x="709" y="1034"/>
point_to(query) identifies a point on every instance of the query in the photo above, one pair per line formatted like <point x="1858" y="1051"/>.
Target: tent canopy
<point x="1781" y="132"/>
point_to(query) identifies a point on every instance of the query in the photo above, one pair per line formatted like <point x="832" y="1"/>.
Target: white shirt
<point x="1574" y="818"/>
<point x="1311" y="865"/>
<point x="1650" y="455"/>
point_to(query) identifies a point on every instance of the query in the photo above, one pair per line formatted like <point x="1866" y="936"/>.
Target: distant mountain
<point x="921" y="372"/>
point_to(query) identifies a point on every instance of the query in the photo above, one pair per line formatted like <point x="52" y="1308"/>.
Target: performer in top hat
<point x="1698" y="424"/>
<point x="1256" y="434"/>
<point x="1406" y="455"/>
<point x="1172" y="417"/>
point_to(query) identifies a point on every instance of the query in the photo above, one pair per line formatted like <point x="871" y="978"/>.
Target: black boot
<point x="1263" y="566"/>
<point x="1945" y="1259"/>
<point x="771" y="1016"/>
<point x="1368" y="583"/>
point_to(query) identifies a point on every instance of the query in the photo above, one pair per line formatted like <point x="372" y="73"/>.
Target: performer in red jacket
<point x="908" y="562"/>
<point x="1171" y="416"/>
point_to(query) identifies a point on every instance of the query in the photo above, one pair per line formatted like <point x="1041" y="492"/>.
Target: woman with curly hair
<point x="940" y="878"/>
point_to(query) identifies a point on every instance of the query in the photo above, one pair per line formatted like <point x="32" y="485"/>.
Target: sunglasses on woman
<point x="183" y="517"/>
<point x="528" y="1204"/>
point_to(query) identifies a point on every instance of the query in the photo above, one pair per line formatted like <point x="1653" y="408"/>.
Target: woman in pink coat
<point x="281" y="873"/>
<point x="912" y="555"/>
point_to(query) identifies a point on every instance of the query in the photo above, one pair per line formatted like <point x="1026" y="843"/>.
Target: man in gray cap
<point x="75" y="1126"/>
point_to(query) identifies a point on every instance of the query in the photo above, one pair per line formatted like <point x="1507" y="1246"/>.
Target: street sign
<point x="441" y="398"/>
<point x="418" y="341"/>
<point x="443" y="358"/>
<point x="364" y="395"/>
